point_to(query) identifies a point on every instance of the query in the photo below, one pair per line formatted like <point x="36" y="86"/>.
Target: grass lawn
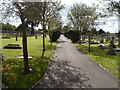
<point x="108" y="61"/>
<point x="12" y="76"/>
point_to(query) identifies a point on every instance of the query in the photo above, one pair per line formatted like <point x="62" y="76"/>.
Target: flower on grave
<point x="14" y="80"/>
<point x="6" y="69"/>
<point x="10" y="75"/>
<point x="4" y="65"/>
<point x="7" y="75"/>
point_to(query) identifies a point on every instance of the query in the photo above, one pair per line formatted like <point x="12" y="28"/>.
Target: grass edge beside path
<point x="101" y="57"/>
<point x="12" y="65"/>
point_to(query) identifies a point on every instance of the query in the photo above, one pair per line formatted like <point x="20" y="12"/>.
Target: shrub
<point x="55" y="35"/>
<point x="73" y="35"/>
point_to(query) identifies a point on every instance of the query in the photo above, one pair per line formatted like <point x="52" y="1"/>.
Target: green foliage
<point x="94" y="31"/>
<point x="38" y="63"/>
<point x="8" y="27"/>
<point x="81" y="16"/>
<point x="101" y="31"/>
<point x="101" y="57"/>
<point x="114" y="6"/>
<point x="52" y="30"/>
<point x="65" y="29"/>
<point x="19" y="28"/>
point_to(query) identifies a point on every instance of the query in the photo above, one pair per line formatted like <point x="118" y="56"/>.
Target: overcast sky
<point x="111" y="24"/>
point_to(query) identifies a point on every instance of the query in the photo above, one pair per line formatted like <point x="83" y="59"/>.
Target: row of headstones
<point x="19" y="35"/>
<point x="36" y="36"/>
<point x="101" y="39"/>
<point x="105" y="39"/>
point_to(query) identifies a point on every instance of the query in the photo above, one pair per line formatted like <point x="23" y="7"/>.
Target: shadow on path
<point x="63" y="75"/>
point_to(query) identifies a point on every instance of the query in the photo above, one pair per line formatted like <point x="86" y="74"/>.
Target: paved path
<point x="72" y="69"/>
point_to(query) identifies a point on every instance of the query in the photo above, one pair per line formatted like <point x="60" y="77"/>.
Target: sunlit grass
<point x="38" y="63"/>
<point x="110" y="62"/>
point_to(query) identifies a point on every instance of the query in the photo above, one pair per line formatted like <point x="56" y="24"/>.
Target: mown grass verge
<point x="12" y="66"/>
<point x="110" y="62"/>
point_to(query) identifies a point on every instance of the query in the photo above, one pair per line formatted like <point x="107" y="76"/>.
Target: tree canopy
<point x="8" y="27"/>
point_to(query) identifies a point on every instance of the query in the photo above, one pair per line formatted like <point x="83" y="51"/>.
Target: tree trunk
<point x="89" y="40"/>
<point x="44" y="28"/>
<point x="50" y="35"/>
<point x="32" y="28"/>
<point x="43" y="37"/>
<point x="119" y="40"/>
<point x="80" y="36"/>
<point x="119" y="30"/>
<point x="25" y="51"/>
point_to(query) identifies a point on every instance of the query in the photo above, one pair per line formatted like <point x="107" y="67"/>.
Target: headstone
<point x="5" y="37"/>
<point x="112" y="43"/>
<point x="81" y="41"/>
<point x="16" y="37"/>
<point x="117" y="49"/>
<point x="106" y="40"/>
<point x="111" y="49"/>
<point x="93" y="42"/>
<point x="83" y="38"/>
<point x="102" y="40"/>
<point x="103" y="46"/>
<point x="35" y="36"/>
<point x="112" y="40"/>
<point x="12" y="46"/>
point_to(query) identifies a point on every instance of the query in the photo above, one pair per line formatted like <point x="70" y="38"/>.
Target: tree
<point x="8" y="26"/>
<point x="114" y="6"/>
<point x="33" y="24"/>
<point x="55" y="21"/>
<point x="19" y="28"/>
<point x="54" y="24"/>
<point x="21" y="10"/>
<point x="101" y="31"/>
<point x="44" y="12"/>
<point x="82" y="17"/>
<point x="31" y="11"/>
<point x="94" y="31"/>
<point x="65" y="29"/>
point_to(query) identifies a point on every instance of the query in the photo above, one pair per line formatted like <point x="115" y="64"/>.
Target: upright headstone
<point x="16" y="37"/>
<point x="36" y="36"/>
<point x="111" y="49"/>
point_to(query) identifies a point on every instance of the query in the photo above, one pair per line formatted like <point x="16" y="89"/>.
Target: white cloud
<point x="111" y="25"/>
<point x="70" y="2"/>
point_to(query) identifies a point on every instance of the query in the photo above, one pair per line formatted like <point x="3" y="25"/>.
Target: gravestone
<point x="12" y="46"/>
<point x="81" y="41"/>
<point x="111" y="49"/>
<point x="35" y="36"/>
<point x="117" y="49"/>
<point x="103" y="46"/>
<point x="83" y="38"/>
<point x="93" y="42"/>
<point x="107" y="39"/>
<point x="16" y="37"/>
<point x="112" y="43"/>
<point x="102" y="40"/>
<point x="5" y="37"/>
